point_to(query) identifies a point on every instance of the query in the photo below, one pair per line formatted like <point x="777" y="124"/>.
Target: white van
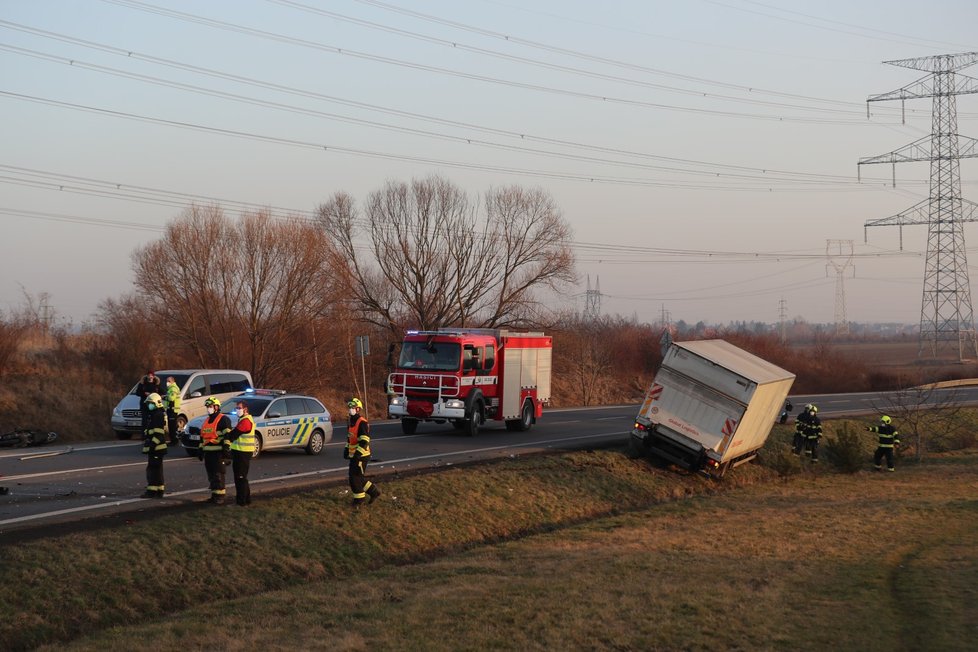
<point x="196" y="385"/>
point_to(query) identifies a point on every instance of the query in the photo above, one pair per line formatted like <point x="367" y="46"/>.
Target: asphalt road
<point x="61" y="483"/>
<point x="68" y="483"/>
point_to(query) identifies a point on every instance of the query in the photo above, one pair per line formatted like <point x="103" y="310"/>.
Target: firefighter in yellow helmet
<point x="808" y="432"/>
<point x="358" y="452"/>
<point x="889" y="439"/>
<point x="154" y="445"/>
<point x="213" y="441"/>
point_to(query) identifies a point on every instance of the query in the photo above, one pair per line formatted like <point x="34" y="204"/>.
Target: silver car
<point x="281" y="421"/>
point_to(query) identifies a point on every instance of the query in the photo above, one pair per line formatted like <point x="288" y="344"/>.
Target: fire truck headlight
<point x="455" y="404"/>
<point x="397" y="400"/>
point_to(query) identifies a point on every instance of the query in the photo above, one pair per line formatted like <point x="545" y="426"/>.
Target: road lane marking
<point x="28" y="476"/>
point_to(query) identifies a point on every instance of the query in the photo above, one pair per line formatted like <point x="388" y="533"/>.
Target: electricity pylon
<point x="839" y="255"/>
<point x="592" y="301"/>
<point x="946" y="318"/>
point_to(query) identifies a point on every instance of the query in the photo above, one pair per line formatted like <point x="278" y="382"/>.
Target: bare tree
<point x="237" y="294"/>
<point x="924" y="415"/>
<point x="430" y="260"/>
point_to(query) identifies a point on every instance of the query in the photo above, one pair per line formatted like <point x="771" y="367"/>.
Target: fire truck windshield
<point x="437" y="356"/>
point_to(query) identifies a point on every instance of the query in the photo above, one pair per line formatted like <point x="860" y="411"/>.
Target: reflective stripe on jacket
<point x="245" y="441"/>
<point x="172" y="397"/>
<point x="154" y="437"/>
<point x="213" y="431"/>
<point x="358" y="437"/>
<point x="888" y="435"/>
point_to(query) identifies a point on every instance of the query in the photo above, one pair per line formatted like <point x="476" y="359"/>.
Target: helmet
<point x="813" y="409"/>
<point x="354" y="403"/>
<point x="213" y="400"/>
<point x="154" y="399"/>
<point x="885" y="419"/>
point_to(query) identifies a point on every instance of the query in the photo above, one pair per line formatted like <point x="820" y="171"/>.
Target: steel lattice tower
<point x="592" y="301"/>
<point x="946" y="317"/>
<point x="839" y="254"/>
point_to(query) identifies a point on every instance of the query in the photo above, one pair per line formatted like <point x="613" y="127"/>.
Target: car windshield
<point x="434" y="356"/>
<point x="180" y="380"/>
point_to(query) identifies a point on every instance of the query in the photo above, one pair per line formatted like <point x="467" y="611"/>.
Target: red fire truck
<point x="470" y="376"/>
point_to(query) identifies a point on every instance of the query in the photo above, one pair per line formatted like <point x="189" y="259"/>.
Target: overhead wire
<point x="603" y="98"/>
<point x="520" y="136"/>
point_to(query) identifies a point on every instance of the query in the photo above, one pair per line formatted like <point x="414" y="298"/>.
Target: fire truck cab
<point x="470" y="376"/>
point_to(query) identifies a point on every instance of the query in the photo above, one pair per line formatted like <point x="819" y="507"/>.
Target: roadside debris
<point x="24" y="437"/>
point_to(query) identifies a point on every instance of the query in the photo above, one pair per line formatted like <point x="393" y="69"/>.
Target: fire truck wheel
<point x="409" y="426"/>
<point x="472" y="425"/>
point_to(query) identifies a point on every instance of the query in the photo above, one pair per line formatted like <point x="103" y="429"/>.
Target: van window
<point x="196" y="385"/>
<point x="227" y="383"/>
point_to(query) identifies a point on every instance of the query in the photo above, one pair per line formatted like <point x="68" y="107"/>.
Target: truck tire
<point x="636" y="448"/>
<point x="472" y="424"/>
<point x="525" y="422"/>
<point x="409" y="426"/>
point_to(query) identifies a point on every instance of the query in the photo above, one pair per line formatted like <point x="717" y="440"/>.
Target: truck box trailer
<point x="710" y="407"/>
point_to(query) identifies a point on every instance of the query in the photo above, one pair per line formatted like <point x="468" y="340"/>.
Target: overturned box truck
<point x="710" y="408"/>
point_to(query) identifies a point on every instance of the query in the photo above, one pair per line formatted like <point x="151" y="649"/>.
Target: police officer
<point x="213" y="441"/>
<point x="172" y="407"/>
<point x="154" y="446"/>
<point x="889" y="438"/>
<point x="358" y="452"/>
<point x="242" y="438"/>
<point x="807" y="427"/>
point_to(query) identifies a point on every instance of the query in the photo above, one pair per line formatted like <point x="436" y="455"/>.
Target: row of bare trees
<point x="284" y="297"/>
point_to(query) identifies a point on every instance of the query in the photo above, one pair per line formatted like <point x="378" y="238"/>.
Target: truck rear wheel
<point x="409" y="426"/>
<point x="636" y="448"/>
<point x="525" y="422"/>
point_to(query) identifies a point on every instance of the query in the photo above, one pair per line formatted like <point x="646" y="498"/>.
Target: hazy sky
<point x="703" y="151"/>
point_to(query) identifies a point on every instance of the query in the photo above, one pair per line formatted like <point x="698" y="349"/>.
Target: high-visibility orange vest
<point x="208" y="431"/>
<point x="356" y="442"/>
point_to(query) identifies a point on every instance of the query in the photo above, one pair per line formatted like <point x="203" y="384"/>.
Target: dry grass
<point x="587" y="550"/>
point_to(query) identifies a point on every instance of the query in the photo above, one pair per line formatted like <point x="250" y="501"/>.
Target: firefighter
<point x="805" y="424"/>
<point x="358" y="452"/>
<point x="154" y="446"/>
<point x="889" y="439"/>
<point x="213" y="444"/>
<point x="242" y="438"/>
<point x="172" y="407"/>
<point x="813" y="435"/>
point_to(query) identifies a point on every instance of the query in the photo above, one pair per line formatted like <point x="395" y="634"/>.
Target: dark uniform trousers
<point x="154" y="471"/>
<point x="240" y="463"/>
<point x="214" y="465"/>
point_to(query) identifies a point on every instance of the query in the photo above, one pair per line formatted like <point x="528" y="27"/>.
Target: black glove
<point x="200" y="454"/>
<point x="346" y="453"/>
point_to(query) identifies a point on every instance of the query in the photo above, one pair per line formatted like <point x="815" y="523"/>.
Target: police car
<point x="281" y="421"/>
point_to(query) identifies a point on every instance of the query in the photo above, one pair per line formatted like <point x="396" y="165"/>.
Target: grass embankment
<point x="583" y="550"/>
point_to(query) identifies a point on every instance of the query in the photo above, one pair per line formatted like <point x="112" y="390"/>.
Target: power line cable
<point x="241" y="29"/>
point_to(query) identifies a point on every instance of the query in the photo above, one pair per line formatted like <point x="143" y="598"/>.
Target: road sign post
<point x="363" y="350"/>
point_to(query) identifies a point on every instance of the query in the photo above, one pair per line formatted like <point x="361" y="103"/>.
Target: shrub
<point x="846" y="450"/>
<point x="779" y="457"/>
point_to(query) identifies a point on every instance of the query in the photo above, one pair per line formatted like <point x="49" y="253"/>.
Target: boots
<point x="373" y="492"/>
